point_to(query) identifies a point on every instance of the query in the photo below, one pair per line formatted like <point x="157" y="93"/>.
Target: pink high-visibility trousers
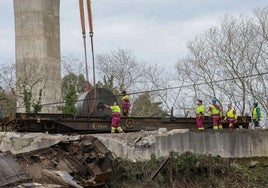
<point x="200" y="120"/>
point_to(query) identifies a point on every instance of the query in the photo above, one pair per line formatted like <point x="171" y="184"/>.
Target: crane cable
<point x="82" y="18"/>
<point x="91" y="37"/>
<point x="90" y="22"/>
<point x="81" y="5"/>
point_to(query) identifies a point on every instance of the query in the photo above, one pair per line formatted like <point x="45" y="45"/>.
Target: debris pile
<point x="81" y="162"/>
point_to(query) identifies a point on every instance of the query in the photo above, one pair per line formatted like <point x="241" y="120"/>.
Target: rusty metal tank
<point x="92" y="102"/>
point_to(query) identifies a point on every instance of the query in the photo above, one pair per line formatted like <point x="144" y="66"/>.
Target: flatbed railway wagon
<point x="92" y="117"/>
<point x="63" y="123"/>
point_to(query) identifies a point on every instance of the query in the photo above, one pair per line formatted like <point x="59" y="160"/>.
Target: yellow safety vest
<point x="115" y="109"/>
<point x="126" y="97"/>
<point x="255" y="114"/>
<point x="200" y="109"/>
<point x="230" y="114"/>
<point x="214" y="111"/>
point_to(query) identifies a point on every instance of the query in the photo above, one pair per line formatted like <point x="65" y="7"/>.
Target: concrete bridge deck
<point x="225" y="143"/>
<point x="141" y="145"/>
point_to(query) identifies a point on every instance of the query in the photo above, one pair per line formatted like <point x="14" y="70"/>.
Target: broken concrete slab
<point x="84" y="157"/>
<point x="10" y="171"/>
<point x="62" y="177"/>
<point x="25" y="142"/>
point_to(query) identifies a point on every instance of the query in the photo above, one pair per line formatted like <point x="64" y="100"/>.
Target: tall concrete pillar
<point x="37" y="44"/>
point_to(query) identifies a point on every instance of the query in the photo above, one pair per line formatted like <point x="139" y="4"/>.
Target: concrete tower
<point x="37" y="44"/>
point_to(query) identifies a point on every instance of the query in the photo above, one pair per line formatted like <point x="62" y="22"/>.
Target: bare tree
<point x="162" y="87"/>
<point x="137" y="78"/>
<point x="259" y="88"/>
<point x="229" y="62"/>
<point x="7" y="76"/>
<point x="122" y="66"/>
<point x="72" y="64"/>
<point x="29" y="83"/>
<point x="7" y="89"/>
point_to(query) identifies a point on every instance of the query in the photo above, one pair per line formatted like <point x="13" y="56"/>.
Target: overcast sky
<point x="156" y="31"/>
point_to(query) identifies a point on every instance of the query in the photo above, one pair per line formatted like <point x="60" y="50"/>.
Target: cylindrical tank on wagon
<point x="88" y="102"/>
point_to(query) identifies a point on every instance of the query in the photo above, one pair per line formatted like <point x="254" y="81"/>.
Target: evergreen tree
<point x="7" y="102"/>
<point x="77" y="81"/>
<point x="70" y="100"/>
<point x="144" y="106"/>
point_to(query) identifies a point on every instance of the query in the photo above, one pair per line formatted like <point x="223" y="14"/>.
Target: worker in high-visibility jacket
<point x="116" y="118"/>
<point x="200" y="115"/>
<point x="125" y="103"/>
<point x="216" y="114"/>
<point x="231" y="116"/>
<point x="256" y="115"/>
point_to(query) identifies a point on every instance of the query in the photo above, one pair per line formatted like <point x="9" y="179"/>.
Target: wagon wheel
<point x="130" y="123"/>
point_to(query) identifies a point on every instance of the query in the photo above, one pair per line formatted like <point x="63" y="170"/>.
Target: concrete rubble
<point x="43" y="160"/>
